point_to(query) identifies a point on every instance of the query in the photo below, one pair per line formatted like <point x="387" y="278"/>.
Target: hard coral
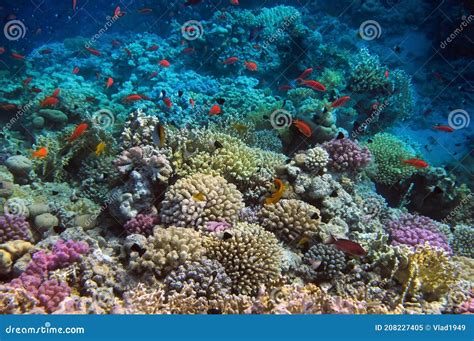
<point x="199" y="198"/>
<point x="141" y="224"/>
<point x="347" y="155"/>
<point x="14" y="227"/>
<point x="324" y="262"/>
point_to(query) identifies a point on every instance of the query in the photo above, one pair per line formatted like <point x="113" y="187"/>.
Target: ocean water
<point x="236" y="156"/>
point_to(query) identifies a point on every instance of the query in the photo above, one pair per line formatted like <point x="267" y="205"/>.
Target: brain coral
<point x="251" y="257"/>
<point x="290" y="220"/>
<point x="388" y="152"/>
<point x="199" y="198"/>
<point x="167" y="249"/>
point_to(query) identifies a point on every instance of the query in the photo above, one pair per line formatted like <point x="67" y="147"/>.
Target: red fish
<point x="80" y="129"/>
<point x="164" y="63"/>
<point x="46" y="51"/>
<point x="152" y="48"/>
<point x="315" y="85"/>
<point x="56" y="92"/>
<point x="116" y="43"/>
<point x="188" y="50"/>
<point x="153" y="75"/>
<point x="17" y="56"/>
<point x="285" y="87"/>
<point x="306" y="73"/>
<point x="8" y="107"/>
<point x="91" y="99"/>
<point x="109" y="83"/>
<point x="41" y="153"/>
<point x="230" y="60"/>
<point x="347" y="246"/>
<point x="192" y="2"/>
<point x="128" y="52"/>
<point x="447" y="129"/>
<point x="36" y="90"/>
<point x="340" y="101"/>
<point x="75" y="71"/>
<point x="27" y="81"/>
<point x="215" y="110"/>
<point x="133" y="98"/>
<point x="74" y="3"/>
<point x="118" y="12"/>
<point x="251" y="66"/>
<point x="145" y="10"/>
<point x="386" y="73"/>
<point x="234" y="2"/>
<point x="191" y="101"/>
<point x="93" y="51"/>
<point x="303" y="128"/>
<point x="49" y="101"/>
<point x="167" y="102"/>
<point x="2" y="50"/>
<point x="417" y="163"/>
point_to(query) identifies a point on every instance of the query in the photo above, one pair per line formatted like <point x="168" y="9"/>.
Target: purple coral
<point x="141" y="224"/>
<point x="417" y="230"/>
<point x="347" y="155"/>
<point x="217" y="226"/>
<point x="51" y="293"/>
<point x="14" y="227"/>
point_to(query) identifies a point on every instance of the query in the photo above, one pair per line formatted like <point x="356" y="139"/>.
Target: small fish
<point x="56" y="92"/>
<point x="8" y="107"/>
<point x="49" y="101"/>
<point x="74" y="3"/>
<point x="315" y="215"/>
<point x="188" y="50"/>
<point x="417" y="163"/>
<point x="153" y="75"/>
<point x="192" y="2"/>
<point x="145" y="10"/>
<point x="93" y="51"/>
<point x="315" y="264"/>
<point x="159" y="135"/>
<point x="109" y="83"/>
<point x="118" y="12"/>
<point x="227" y="236"/>
<point x="251" y="66"/>
<point x="132" y="98"/>
<point x="215" y="110"/>
<point x="45" y="51"/>
<point x="276" y="196"/>
<point x="99" y="150"/>
<point x="192" y="102"/>
<point x="129" y="53"/>
<point x="315" y="85"/>
<point x="41" y="153"/>
<point x="153" y="48"/>
<point x="285" y="87"/>
<point x="220" y="101"/>
<point x="444" y="128"/>
<point x="347" y="246"/>
<point x="199" y="197"/>
<point x="303" y="128"/>
<point x="230" y="60"/>
<point x="75" y="71"/>
<point x="17" y="56"/>
<point x="164" y="63"/>
<point x="27" y="81"/>
<point x="457" y="144"/>
<point x="234" y="2"/>
<point x="340" y="101"/>
<point x="116" y="43"/>
<point x="218" y="145"/>
<point x="36" y="90"/>
<point x="80" y="129"/>
<point x="386" y="74"/>
<point x="306" y="73"/>
<point x="2" y="50"/>
<point x="168" y="102"/>
<point x="340" y="136"/>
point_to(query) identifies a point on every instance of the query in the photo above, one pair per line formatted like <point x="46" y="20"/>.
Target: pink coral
<point x="141" y="224"/>
<point x="14" y="227"/>
<point x="347" y="155"/>
<point x="52" y="292"/>
<point x="217" y="226"/>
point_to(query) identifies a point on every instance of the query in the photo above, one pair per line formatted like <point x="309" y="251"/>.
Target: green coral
<point x="389" y="152"/>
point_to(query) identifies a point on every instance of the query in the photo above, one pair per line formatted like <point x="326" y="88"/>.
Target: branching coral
<point x="199" y="198"/>
<point x="251" y="257"/>
<point x="346" y="155"/>
<point x="138" y="130"/>
<point x="14" y="227"/>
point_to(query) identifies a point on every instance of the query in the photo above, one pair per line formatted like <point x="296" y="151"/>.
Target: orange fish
<point x="152" y="48"/>
<point x="215" y="110"/>
<point x="315" y="85"/>
<point x="303" y="128"/>
<point x="40" y="153"/>
<point x="230" y="60"/>
<point x="305" y="73"/>
<point x="164" y="63"/>
<point x="109" y="83"/>
<point x="49" y="101"/>
<point x="75" y="71"/>
<point x="251" y="66"/>
<point x="234" y="2"/>
<point x="93" y="51"/>
<point x="276" y="196"/>
<point x="27" y="81"/>
<point x="56" y="92"/>
<point x="447" y="129"/>
<point x="80" y="129"/>
<point x="133" y="98"/>
<point x="386" y="74"/>
<point x="340" y="101"/>
<point x="118" y="12"/>
<point x="417" y="163"/>
<point x="17" y="56"/>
